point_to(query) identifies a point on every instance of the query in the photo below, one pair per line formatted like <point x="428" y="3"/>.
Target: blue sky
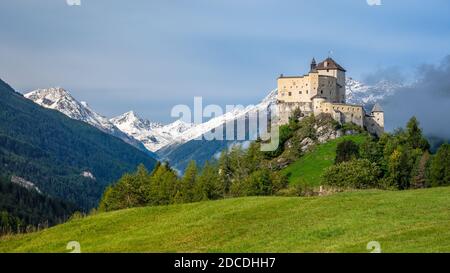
<point x="149" y="55"/>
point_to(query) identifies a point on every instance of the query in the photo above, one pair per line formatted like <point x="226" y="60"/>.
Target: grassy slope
<point x="310" y="166"/>
<point x="408" y="221"/>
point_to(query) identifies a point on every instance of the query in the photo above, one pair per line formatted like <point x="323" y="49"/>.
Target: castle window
<point x="306" y="91"/>
<point x="300" y="92"/>
<point x="290" y="93"/>
<point x="321" y="91"/>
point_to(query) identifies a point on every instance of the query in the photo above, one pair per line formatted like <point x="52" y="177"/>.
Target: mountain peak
<point x="58" y="98"/>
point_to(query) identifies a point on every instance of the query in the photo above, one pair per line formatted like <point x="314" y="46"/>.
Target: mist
<point x="427" y="98"/>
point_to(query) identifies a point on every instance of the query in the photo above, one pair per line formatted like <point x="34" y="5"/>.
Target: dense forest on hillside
<point x="396" y="161"/>
<point x="52" y="151"/>
<point x="23" y="210"/>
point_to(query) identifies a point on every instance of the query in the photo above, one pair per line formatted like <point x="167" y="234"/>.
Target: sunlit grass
<point x="407" y="221"/>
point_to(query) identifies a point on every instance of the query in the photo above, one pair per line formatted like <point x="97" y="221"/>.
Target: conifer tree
<point x="440" y="166"/>
<point x="188" y="182"/>
<point x="208" y="185"/>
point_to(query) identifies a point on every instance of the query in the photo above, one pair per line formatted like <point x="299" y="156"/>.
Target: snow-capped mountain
<point x="167" y="138"/>
<point x="61" y="100"/>
<point x="360" y="93"/>
<point x="186" y="147"/>
<point x="154" y="136"/>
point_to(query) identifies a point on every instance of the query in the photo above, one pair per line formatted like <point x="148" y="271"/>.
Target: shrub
<point x="359" y="174"/>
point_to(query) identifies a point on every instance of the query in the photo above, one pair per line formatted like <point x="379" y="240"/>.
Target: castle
<point x="322" y="90"/>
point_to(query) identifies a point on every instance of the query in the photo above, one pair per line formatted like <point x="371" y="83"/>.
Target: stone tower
<point x="378" y="114"/>
<point x="331" y="68"/>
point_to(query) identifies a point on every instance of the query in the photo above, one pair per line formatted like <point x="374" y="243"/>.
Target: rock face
<point x="312" y="131"/>
<point x="24" y="183"/>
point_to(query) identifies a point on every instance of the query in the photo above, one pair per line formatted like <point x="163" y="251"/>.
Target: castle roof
<point x="330" y="64"/>
<point x="377" y="108"/>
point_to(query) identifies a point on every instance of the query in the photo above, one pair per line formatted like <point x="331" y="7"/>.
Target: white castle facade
<point x="322" y="90"/>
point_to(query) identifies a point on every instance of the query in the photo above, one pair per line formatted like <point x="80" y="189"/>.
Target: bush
<point x="297" y="190"/>
<point x="359" y="174"/>
<point x="346" y="151"/>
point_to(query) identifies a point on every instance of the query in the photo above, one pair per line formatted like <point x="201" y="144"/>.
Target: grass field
<point x="310" y="166"/>
<point x="407" y="221"/>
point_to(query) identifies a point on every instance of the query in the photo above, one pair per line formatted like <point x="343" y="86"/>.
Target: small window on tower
<point x="290" y="93"/>
<point x="306" y="91"/>
<point x="300" y="92"/>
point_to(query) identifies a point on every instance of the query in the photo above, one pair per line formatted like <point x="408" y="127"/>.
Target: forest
<point x="396" y="161"/>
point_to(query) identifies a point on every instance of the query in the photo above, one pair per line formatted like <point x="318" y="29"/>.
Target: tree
<point x="208" y="185"/>
<point x="419" y="171"/>
<point x="294" y="118"/>
<point x="359" y="173"/>
<point x="346" y="151"/>
<point x="253" y="158"/>
<point x="164" y="186"/>
<point x="225" y="172"/>
<point x="258" y="183"/>
<point x="187" y="183"/>
<point x="440" y="167"/>
<point x="399" y="169"/>
<point x="372" y="150"/>
<point x="414" y="135"/>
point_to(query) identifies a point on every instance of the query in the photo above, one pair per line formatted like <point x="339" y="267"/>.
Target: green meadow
<point x="401" y="221"/>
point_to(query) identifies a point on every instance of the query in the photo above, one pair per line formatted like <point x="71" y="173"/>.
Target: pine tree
<point x="208" y="185"/>
<point x="414" y="135"/>
<point x="419" y="172"/>
<point x="188" y="182"/>
<point x="440" y="166"/>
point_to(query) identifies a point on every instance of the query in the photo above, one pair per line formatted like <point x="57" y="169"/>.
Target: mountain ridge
<point x="59" y="99"/>
<point x="165" y="139"/>
<point x="53" y="151"/>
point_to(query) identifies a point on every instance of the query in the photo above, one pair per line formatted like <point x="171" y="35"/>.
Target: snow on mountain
<point x="154" y="136"/>
<point x="61" y="100"/>
<point x="360" y="93"/>
<point x="236" y="114"/>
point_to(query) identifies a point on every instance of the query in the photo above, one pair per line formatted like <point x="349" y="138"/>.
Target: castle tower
<point x="331" y="68"/>
<point x="378" y="118"/>
<point x="313" y="65"/>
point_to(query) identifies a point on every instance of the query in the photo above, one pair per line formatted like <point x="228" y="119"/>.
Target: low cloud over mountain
<point x="428" y="98"/>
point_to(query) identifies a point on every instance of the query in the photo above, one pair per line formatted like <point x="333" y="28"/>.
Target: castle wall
<point x="374" y="123"/>
<point x="343" y="113"/>
<point x="298" y="89"/>
<point x="286" y="109"/>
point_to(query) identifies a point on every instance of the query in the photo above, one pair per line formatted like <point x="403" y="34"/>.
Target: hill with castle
<point x="322" y="90"/>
